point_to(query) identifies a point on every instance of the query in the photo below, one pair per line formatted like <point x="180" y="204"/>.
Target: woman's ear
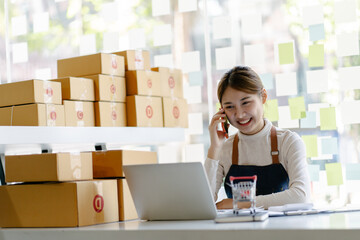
<point x="263" y="95"/>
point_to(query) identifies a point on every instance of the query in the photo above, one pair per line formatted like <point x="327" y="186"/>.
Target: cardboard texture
<point x="144" y="111"/>
<point x="127" y="209"/>
<point x="75" y="88"/>
<point x="141" y="82"/>
<point x="30" y="91"/>
<point x="171" y="81"/>
<point x="110" y="114"/>
<point x="99" y="63"/>
<point x="79" y="114"/>
<point x="49" y="167"/>
<point x="175" y="112"/>
<point x="135" y="59"/>
<point x="68" y="204"/>
<point x="33" y="115"/>
<point x="109" y="88"/>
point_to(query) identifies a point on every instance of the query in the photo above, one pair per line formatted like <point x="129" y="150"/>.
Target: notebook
<point x="242" y="217"/>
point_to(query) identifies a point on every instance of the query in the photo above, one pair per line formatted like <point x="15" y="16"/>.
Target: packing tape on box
<point x="114" y="114"/>
<point x="75" y="165"/>
<point x="85" y="90"/>
<point x="113" y="89"/>
<point x="149" y="82"/>
<point x="139" y="60"/>
<point x="149" y="110"/>
<point x="48" y="92"/>
<point x="50" y="115"/>
<point x="99" y="187"/>
<point x="79" y="109"/>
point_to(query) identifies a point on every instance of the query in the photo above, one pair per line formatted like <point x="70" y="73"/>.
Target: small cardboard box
<point x="108" y="164"/>
<point x="99" y="63"/>
<point x="171" y="82"/>
<point x="79" y="114"/>
<point x="144" y="111"/>
<point x="110" y="114"/>
<point x="175" y="112"/>
<point x="141" y="82"/>
<point x="49" y="167"/>
<point x="136" y="59"/>
<point x="36" y="114"/>
<point x="69" y="204"/>
<point x="109" y="88"/>
<point x="30" y="91"/>
<point x="75" y="88"/>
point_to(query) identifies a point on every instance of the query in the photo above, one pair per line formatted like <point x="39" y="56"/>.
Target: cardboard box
<point x="136" y="59"/>
<point x="175" y="112"/>
<point x="79" y="114"/>
<point x="49" y="167"/>
<point x="99" y="63"/>
<point x="141" y="82"/>
<point x="108" y="164"/>
<point x="75" y="88"/>
<point x="171" y="82"/>
<point x="68" y="204"/>
<point x="127" y="209"/>
<point x="37" y="114"/>
<point x="110" y="114"/>
<point x="109" y="88"/>
<point x="144" y="111"/>
<point x="30" y="91"/>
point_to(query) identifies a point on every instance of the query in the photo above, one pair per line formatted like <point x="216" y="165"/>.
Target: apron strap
<point x="235" y="151"/>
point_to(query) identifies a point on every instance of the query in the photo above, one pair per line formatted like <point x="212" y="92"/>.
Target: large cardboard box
<point x="109" y="88"/>
<point x="141" y="82"/>
<point x="79" y="114"/>
<point x="69" y="204"/>
<point x="171" y="82"/>
<point x="49" y="167"/>
<point x="144" y="111"/>
<point x="99" y="63"/>
<point x="108" y="164"/>
<point x="175" y="112"/>
<point x="110" y="114"/>
<point x="136" y="59"/>
<point x="37" y="114"/>
<point x="76" y="88"/>
<point x="127" y="209"/>
<point x="30" y="91"/>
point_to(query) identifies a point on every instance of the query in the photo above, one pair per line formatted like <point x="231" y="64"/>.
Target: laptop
<point x="172" y="191"/>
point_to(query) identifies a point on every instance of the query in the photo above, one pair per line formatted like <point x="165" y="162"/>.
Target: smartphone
<point x="225" y="127"/>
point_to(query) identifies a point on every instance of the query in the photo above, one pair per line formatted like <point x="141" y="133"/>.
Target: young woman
<point x="275" y="155"/>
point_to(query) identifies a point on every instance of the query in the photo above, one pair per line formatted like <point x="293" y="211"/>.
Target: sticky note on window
<point x="348" y="78"/>
<point x="195" y="124"/>
<point x="217" y="106"/>
<point x="187" y="5"/>
<point x="251" y="24"/>
<point x="316" y="32"/>
<point x="267" y="80"/>
<point x="297" y="107"/>
<point x="348" y="113"/>
<point x="309" y="121"/>
<point x="317" y="81"/>
<point x="191" y="62"/>
<point x="286" y="84"/>
<point x="312" y="15"/>
<point x="195" y="78"/>
<point x="225" y="58"/>
<point x="316" y="55"/>
<point x="271" y="110"/>
<point x="160" y="7"/>
<point x="352" y="171"/>
<point x="166" y="154"/>
<point x="193" y="94"/>
<point x="314" y="170"/>
<point x="328" y="118"/>
<point x="329" y="146"/>
<point x="345" y="11"/>
<point x="334" y="174"/>
<point x="43" y="73"/>
<point x="315" y="107"/>
<point x="110" y="41"/>
<point x="87" y="44"/>
<point x="137" y="38"/>
<point x="221" y="27"/>
<point x="19" y="25"/>
<point x="164" y="60"/>
<point x="347" y="44"/>
<point x="162" y="35"/>
<point x="109" y="12"/>
<point x="286" y="53"/>
<point x="194" y="153"/>
<point x="254" y="54"/>
<point x="310" y="145"/>
<point x="285" y="120"/>
<point x="20" y="52"/>
<point x="41" y="22"/>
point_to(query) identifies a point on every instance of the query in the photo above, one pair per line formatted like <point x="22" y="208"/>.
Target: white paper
<point x="348" y="44"/>
<point x="41" y="22"/>
<point x="160" y="7"/>
<point x="187" y="5"/>
<point x="20" y="52"/>
<point x="87" y="44"/>
<point x="312" y="15"/>
<point x="110" y="41"/>
<point x="137" y="38"/>
<point x="251" y="24"/>
<point x="317" y="81"/>
<point x="254" y="54"/>
<point x="43" y="73"/>
<point x="165" y="60"/>
<point x="19" y="25"/>
<point x="285" y="120"/>
<point x="350" y="113"/>
<point x="193" y="94"/>
<point x="345" y="11"/>
<point x="195" y="124"/>
<point x="349" y="78"/>
<point x="286" y="84"/>
<point x="221" y="27"/>
<point x="109" y="12"/>
<point x="315" y="107"/>
<point x="194" y="153"/>
<point x="162" y="35"/>
<point x="191" y="61"/>
<point x="168" y="154"/>
<point x="225" y="58"/>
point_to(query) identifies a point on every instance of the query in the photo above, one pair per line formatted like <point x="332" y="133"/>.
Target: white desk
<point x="336" y="226"/>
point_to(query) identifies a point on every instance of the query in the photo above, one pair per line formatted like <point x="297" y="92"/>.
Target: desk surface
<point x="333" y="226"/>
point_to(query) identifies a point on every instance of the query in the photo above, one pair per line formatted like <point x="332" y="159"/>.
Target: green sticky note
<point x="297" y="108"/>
<point x="327" y="118"/>
<point x="334" y="174"/>
<point x="271" y="110"/>
<point x="316" y="55"/>
<point x="311" y="145"/>
<point x="218" y="106"/>
<point x="286" y="53"/>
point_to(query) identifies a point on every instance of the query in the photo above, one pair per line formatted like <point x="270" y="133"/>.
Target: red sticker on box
<point x="149" y="83"/>
<point x="49" y="92"/>
<point x="53" y="115"/>
<point x="98" y="203"/>
<point x="171" y="82"/>
<point x="113" y="115"/>
<point x="112" y="89"/>
<point x="149" y="111"/>
<point x="80" y="115"/>
<point x="176" y="112"/>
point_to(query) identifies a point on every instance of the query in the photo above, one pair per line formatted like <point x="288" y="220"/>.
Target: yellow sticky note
<point x="334" y="174"/>
<point x="286" y="53"/>
<point x="327" y="118"/>
<point x="316" y="55"/>
<point x="271" y="110"/>
<point x="297" y="108"/>
<point x="311" y="145"/>
<point x="218" y="106"/>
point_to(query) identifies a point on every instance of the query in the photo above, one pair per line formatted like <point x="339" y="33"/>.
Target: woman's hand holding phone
<point x="217" y="138"/>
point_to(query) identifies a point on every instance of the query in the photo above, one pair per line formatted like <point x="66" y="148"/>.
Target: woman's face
<point x="244" y="110"/>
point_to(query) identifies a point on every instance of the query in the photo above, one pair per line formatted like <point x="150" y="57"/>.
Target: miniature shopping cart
<point x="244" y="190"/>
